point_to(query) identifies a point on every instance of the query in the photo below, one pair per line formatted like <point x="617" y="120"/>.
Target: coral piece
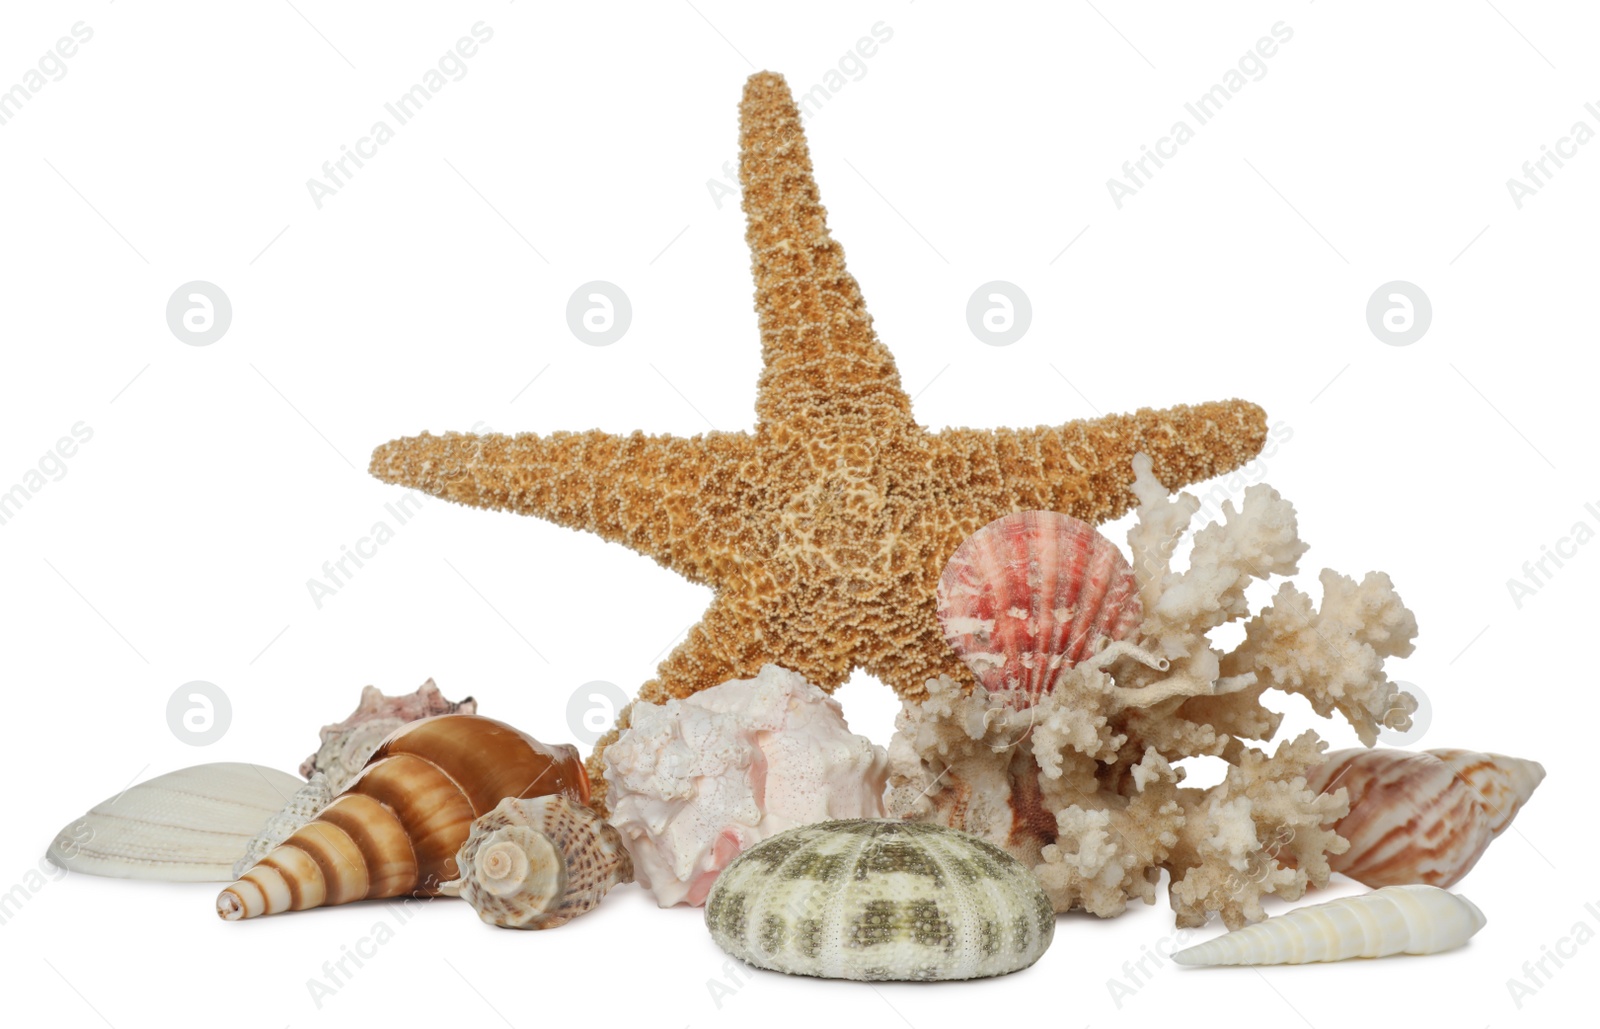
<point x="305" y="804"/>
<point x="1393" y="920"/>
<point x="1031" y="594"/>
<point x="694" y="782"/>
<point x="539" y="863"/>
<point x="1421" y="817"/>
<point x="880" y="900"/>
<point x="824" y="531"/>
<point x="347" y="745"/>
<point x="398" y="826"/>
<point x="184" y="826"/>
<point x="1082" y="785"/>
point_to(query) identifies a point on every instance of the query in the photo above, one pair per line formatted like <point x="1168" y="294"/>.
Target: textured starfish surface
<point x="824" y="531"/>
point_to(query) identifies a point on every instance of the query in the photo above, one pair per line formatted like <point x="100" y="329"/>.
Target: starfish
<point x="824" y="531"/>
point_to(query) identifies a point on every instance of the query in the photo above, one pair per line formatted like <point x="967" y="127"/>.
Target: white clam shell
<point x="1393" y="920"/>
<point x="184" y="826"/>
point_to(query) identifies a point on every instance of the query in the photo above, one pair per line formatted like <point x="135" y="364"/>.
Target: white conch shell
<point x="694" y="782"/>
<point x="1393" y="920"/>
<point x="184" y="826"/>
<point x="538" y="863"/>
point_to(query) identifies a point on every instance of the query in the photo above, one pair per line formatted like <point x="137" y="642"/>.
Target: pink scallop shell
<point x="1031" y="594"/>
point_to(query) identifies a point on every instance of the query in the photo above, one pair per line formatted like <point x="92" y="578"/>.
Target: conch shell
<point x="539" y="863"/>
<point x="694" y="782"/>
<point x="397" y="828"/>
<point x="347" y="745"/>
<point x="1393" y="920"/>
<point x="346" y="748"/>
<point x="306" y="803"/>
<point x="1424" y="816"/>
<point x="1031" y="594"/>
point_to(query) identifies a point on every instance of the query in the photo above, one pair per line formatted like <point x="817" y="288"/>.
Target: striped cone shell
<point x="1031" y="594"/>
<point x="1421" y="817"/>
<point x="1503" y="783"/>
<point x="397" y="828"/>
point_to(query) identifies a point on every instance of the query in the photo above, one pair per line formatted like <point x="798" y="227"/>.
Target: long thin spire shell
<point x="398" y="826"/>
<point x="1393" y="920"/>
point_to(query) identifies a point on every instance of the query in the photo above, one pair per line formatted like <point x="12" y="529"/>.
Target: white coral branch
<point x="1082" y="785"/>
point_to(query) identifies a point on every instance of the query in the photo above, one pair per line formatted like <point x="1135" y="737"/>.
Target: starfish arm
<point x="723" y="645"/>
<point x="1085" y="468"/>
<point x="820" y="355"/>
<point x="663" y="496"/>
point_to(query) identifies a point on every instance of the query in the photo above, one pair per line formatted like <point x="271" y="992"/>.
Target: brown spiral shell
<point x="396" y="829"/>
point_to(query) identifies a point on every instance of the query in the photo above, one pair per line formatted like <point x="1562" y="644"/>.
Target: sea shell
<point x="696" y="781"/>
<point x="1503" y="783"/>
<point x="346" y="748"/>
<point x="880" y="899"/>
<point x="1031" y="594"/>
<point x="184" y="826"/>
<point x="539" y="863"/>
<point x="1421" y="817"/>
<point x="306" y="804"/>
<point x="347" y="745"/>
<point x="1393" y="920"/>
<point x="397" y="828"/>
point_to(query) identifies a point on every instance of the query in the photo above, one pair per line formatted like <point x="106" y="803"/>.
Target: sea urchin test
<point x="876" y="899"/>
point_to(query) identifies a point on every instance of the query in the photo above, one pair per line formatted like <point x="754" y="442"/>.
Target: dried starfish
<point x="824" y="531"/>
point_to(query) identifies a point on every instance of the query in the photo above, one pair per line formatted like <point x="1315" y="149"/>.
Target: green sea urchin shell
<point x="878" y="899"/>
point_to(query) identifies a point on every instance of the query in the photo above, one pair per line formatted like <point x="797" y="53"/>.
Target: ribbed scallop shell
<point x="184" y="826"/>
<point x="877" y="899"/>
<point x="1393" y="920"/>
<point x="539" y="863"/>
<point x="1421" y="817"/>
<point x="398" y="826"/>
<point x="1031" y="594"/>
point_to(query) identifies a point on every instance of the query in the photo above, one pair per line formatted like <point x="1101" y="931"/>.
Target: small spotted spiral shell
<point x="539" y="863"/>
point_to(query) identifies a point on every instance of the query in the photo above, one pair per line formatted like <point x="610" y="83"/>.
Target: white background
<point x="432" y="289"/>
